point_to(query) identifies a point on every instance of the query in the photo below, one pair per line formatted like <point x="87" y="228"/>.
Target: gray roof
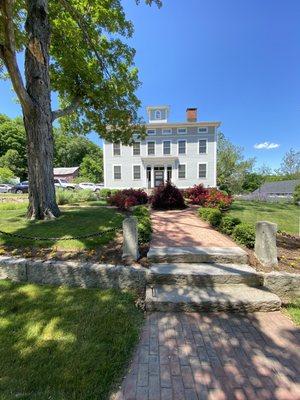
<point x="286" y="187"/>
<point x="65" y="170"/>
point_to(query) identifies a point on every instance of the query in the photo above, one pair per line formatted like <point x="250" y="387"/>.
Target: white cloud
<point x="266" y="145"/>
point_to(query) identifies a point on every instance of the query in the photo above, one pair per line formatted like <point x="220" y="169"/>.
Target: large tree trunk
<point x="38" y="121"/>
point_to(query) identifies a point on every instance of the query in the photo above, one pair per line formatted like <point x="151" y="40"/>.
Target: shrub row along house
<point x="183" y="153"/>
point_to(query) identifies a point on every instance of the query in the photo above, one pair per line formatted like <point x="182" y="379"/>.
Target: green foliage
<point x="142" y="214"/>
<point x="6" y="175"/>
<point x="52" y="338"/>
<point x="244" y="234"/>
<point x="232" y="167"/>
<point x="92" y="168"/>
<point x="12" y="160"/>
<point x="228" y="223"/>
<point x="252" y="181"/>
<point x="65" y="196"/>
<point x="105" y="193"/>
<point x="296" y="195"/>
<point x="290" y="165"/>
<point x="211" y="215"/>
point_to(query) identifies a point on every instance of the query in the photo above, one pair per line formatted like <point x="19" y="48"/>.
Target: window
<point x="181" y="131"/>
<point x="136" y="148"/>
<point x="117" y="172"/>
<point x="116" y="149"/>
<point x="151" y="148"/>
<point x="181" y="146"/>
<point x="167" y="131"/>
<point x="203" y="130"/>
<point x="167" y="147"/>
<point x="151" y="131"/>
<point x="181" y="171"/>
<point x="136" y="172"/>
<point x="157" y="114"/>
<point x="202" y="170"/>
<point x="202" y="146"/>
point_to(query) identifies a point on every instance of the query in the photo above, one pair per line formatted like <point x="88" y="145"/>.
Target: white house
<point x="184" y="153"/>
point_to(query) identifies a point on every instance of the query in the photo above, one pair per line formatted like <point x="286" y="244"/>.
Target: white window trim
<point x="114" y="155"/>
<point x="184" y="170"/>
<point x="166" y="129"/>
<point x="199" y="163"/>
<point x="206" y="141"/>
<point x="136" y="155"/>
<point x="164" y="141"/>
<point x="203" y="127"/>
<point x="151" y="141"/>
<point x="152" y="130"/>
<point x="182" y="133"/>
<point x="155" y="114"/>
<point x="137" y="165"/>
<point x="116" y="165"/>
<point x="181" y="140"/>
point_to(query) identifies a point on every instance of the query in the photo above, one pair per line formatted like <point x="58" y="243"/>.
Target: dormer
<point x="158" y="114"/>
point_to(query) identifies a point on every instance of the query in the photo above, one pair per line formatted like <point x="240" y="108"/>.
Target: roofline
<point x="188" y="124"/>
<point x="155" y="107"/>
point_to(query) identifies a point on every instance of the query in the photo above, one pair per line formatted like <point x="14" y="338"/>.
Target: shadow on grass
<point x="62" y="343"/>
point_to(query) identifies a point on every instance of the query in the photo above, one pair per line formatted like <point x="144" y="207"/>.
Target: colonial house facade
<point x="184" y="153"/>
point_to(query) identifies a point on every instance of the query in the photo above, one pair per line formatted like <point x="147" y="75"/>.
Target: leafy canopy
<point x="91" y="65"/>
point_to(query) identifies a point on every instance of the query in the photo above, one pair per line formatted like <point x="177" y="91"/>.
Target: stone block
<point x="265" y="243"/>
<point x="13" y="268"/>
<point x="130" y="239"/>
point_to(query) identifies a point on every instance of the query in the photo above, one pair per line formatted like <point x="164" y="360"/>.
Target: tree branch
<point x="8" y="55"/>
<point x="67" y="110"/>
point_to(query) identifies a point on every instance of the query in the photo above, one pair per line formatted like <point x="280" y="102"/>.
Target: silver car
<point x="5" y="187"/>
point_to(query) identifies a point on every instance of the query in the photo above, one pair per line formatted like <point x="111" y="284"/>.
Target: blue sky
<point x="238" y="61"/>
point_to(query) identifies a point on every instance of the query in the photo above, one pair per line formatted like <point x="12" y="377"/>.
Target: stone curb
<point x="69" y="273"/>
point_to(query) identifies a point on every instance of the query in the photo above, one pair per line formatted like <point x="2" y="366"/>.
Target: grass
<point x="293" y="309"/>
<point x="287" y="216"/>
<point x="75" y="220"/>
<point x="63" y="343"/>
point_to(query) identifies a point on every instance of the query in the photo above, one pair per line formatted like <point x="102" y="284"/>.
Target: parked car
<point x="19" y="188"/>
<point x="63" y="183"/>
<point x="5" y="187"/>
<point x="88" y="185"/>
<point x="100" y="185"/>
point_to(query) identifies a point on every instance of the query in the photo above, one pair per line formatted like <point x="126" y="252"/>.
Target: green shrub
<point x="64" y="196"/>
<point x="228" y="224"/>
<point x="85" y="195"/>
<point x="296" y="195"/>
<point x="105" y="193"/>
<point x="142" y="214"/>
<point x="244" y="234"/>
<point x="212" y="215"/>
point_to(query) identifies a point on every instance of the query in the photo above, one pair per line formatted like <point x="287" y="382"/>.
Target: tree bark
<point x="38" y="121"/>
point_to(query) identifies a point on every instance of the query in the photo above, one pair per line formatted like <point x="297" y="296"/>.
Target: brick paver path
<point x="215" y="356"/>
<point x="184" y="228"/>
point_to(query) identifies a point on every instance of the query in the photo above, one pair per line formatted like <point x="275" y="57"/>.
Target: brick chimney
<point x="191" y="114"/>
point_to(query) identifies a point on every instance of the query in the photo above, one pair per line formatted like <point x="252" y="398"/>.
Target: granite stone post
<point x="265" y="243"/>
<point x="130" y="239"/>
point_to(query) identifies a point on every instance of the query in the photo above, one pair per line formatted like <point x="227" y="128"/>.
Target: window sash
<point x="117" y="172"/>
<point x="181" y="147"/>
<point x="136" y="148"/>
<point x="151" y="148"/>
<point x="151" y="132"/>
<point x="202" y="146"/>
<point x="116" y="149"/>
<point x="181" y="171"/>
<point x="136" y="172"/>
<point x="167" y="147"/>
<point x="202" y="170"/>
<point x="203" y="130"/>
<point x="181" y="131"/>
<point x="167" y="131"/>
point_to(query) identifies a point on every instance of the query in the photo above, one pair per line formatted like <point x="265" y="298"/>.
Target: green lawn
<point x="75" y="220"/>
<point x="287" y="216"/>
<point x="62" y="343"/>
<point x="293" y="310"/>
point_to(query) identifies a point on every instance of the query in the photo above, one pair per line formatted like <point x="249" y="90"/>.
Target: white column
<point x="165" y="173"/>
<point x="152" y="176"/>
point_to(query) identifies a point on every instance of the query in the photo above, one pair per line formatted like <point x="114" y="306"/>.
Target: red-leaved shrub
<point x="167" y="197"/>
<point x="124" y="199"/>
<point x="212" y="197"/>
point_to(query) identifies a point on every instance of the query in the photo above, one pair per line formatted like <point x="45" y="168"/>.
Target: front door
<point x="158" y="176"/>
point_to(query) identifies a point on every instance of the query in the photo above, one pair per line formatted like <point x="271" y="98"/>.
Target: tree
<point x="290" y="165"/>
<point x="6" y="175"/>
<point x="252" y="181"/>
<point x="91" y="168"/>
<point x="232" y="167"/>
<point x="12" y="160"/>
<point x="91" y="69"/>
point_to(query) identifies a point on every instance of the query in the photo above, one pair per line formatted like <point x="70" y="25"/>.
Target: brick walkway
<point x="215" y="356"/>
<point x="184" y="228"/>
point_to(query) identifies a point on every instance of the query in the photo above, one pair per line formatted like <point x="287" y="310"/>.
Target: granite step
<point x="230" y="255"/>
<point x="235" y="298"/>
<point x="203" y="274"/>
